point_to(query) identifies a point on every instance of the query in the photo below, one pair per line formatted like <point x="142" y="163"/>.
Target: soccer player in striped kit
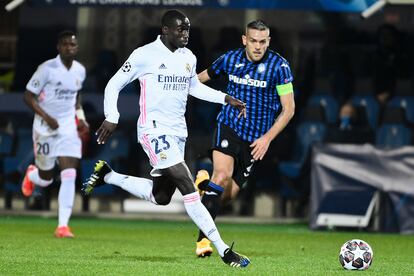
<point x="167" y="74"/>
<point x="53" y="94"/>
<point x="262" y="79"/>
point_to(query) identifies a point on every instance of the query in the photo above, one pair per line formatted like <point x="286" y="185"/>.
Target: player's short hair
<point x="65" y="34"/>
<point x="168" y="19"/>
<point x="257" y="25"/>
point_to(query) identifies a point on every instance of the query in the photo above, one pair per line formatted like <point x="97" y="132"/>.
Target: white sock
<point x="35" y="178"/>
<point x="138" y="186"/>
<point x="66" y="195"/>
<point x="202" y="218"/>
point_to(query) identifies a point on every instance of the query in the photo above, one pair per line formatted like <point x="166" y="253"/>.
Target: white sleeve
<point x="83" y="74"/>
<point x="38" y="80"/>
<point x="130" y="71"/>
<point x="203" y="92"/>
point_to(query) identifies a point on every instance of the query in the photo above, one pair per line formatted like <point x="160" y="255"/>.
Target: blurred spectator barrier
<point x="346" y="178"/>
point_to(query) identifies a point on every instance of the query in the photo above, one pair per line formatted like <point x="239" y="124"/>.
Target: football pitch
<point x="142" y="247"/>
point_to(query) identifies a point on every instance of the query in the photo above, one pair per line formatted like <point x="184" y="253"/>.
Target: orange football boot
<point x="27" y="184"/>
<point x="63" y="232"/>
<point x="202" y="175"/>
<point x="203" y="248"/>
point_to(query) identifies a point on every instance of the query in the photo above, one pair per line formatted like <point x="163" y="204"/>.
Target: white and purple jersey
<point x="57" y="88"/>
<point x="166" y="79"/>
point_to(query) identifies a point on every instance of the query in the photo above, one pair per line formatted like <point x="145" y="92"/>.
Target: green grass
<point x="127" y="247"/>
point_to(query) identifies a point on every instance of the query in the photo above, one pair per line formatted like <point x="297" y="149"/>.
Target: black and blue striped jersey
<point x="258" y="84"/>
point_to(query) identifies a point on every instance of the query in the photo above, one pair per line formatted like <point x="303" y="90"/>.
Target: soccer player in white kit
<point x="167" y="74"/>
<point x="52" y="93"/>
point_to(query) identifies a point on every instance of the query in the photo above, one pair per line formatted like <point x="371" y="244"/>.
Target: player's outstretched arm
<point x="105" y="131"/>
<point x="241" y="106"/>
<point x="203" y="76"/>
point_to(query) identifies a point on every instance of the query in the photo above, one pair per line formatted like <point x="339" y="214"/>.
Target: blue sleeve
<point x="284" y="74"/>
<point x="217" y="68"/>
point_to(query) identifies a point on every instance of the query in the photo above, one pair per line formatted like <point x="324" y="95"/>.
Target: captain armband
<point x="284" y="89"/>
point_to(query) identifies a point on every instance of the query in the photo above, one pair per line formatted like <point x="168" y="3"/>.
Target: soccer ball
<point x="356" y="254"/>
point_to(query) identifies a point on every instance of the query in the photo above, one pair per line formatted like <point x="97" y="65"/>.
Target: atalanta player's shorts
<point x="225" y="140"/>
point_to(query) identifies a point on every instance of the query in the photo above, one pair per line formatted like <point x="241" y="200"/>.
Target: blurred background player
<point x="262" y="79"/>
<point x="53" y="94"/>
<point x="167" y="74"/>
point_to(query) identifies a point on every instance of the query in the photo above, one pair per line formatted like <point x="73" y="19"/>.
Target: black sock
<point x="213" y="203"/>
<point x="207" y="185"/>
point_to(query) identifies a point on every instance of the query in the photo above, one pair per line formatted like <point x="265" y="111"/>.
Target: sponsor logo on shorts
<point x="163" y="156"/>
<point x="224" y="143"/>
<point x="35" y="83"/>
<point x="249" y="168"/>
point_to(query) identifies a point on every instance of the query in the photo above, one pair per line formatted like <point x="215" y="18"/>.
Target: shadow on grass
<point x="118" y="256"/>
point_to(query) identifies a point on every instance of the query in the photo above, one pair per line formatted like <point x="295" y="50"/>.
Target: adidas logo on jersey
<point x="59" y="83"/>
<point x="162" y="66"/>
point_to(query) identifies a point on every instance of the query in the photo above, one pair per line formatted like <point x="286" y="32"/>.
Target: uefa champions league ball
<point x="356" y="254"/>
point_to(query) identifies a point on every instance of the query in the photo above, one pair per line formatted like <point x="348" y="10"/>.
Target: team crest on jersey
<point x="261" y="68"/>
<point x="188" y="67"/>
<point x="35" y="83"/>
<point x="163" y="156"/>
<point x="126" y="67"/>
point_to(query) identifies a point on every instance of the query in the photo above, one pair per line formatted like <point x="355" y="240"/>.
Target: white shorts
<point x="163" y="151"/>
<point x="48" y="148"/>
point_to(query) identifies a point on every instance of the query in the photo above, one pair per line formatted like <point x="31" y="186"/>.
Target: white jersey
<point x="57" y="89"/>
<point x="166" y="79"/>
